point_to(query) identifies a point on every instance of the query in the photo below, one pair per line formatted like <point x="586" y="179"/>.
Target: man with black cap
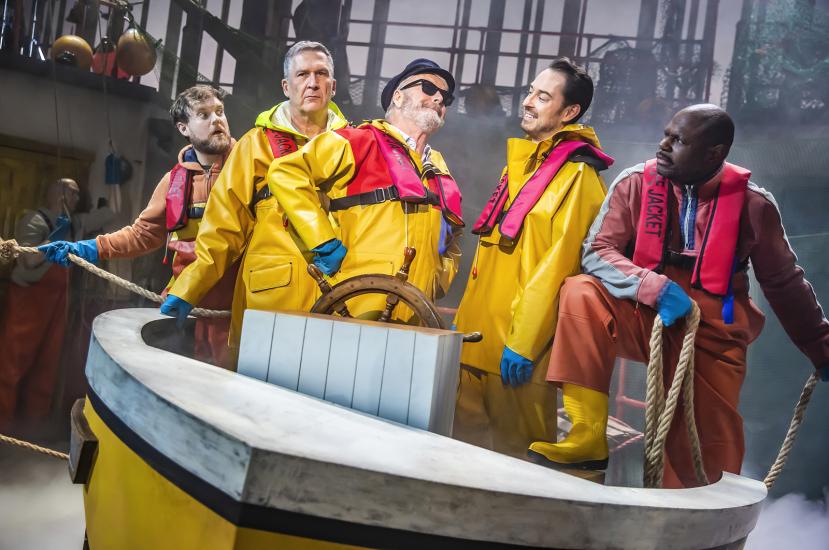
<point x="385" y="189"/>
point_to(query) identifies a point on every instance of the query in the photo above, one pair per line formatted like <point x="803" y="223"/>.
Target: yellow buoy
<point x="134" y="54"/>
<point x="72" y="50"/>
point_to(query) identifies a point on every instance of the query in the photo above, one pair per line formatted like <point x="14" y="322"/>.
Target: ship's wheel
<point x="396" y="289"/>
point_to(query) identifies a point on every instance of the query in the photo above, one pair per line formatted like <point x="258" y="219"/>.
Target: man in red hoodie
<point x="175" y="209"/>
<point x="684" y="226"/>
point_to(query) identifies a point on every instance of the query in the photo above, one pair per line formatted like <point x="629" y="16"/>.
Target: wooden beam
<point x="492" y="45"/>
<point x="569" y="24"/>
<point x="374" y="65"/>
<point x="170" y="56"/>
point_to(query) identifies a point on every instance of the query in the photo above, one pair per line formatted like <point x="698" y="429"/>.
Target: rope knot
<point x="8" y="251"/>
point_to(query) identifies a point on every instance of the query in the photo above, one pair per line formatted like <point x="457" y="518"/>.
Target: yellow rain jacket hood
<point x="242" y="220"/>
<point x="340" y="163"/>
<point x="512" y="293"/>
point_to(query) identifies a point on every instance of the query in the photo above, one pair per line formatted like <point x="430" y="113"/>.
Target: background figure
<point x="33" y="322"/>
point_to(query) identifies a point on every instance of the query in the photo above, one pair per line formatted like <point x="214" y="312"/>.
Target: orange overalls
<point x="609" y="312"/>
<point x="31" y="337"/>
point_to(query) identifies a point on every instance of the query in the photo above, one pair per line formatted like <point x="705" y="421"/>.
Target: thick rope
<point x="659" y="410"/>
<point x="799" y="411"/>
<point x="9" y="250"/>
<point x="33" y="447"/>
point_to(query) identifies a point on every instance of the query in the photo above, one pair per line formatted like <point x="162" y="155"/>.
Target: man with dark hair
<point x="175" y="210"/>
<point x="385" y="190"/>
<point x="530" y="237"/>
<point x="682" y="226"/>
<point x="243" y="219"/>
<point x="578" y="86"/>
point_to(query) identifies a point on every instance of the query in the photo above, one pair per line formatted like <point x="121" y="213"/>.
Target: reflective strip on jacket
<point x="513" y="300"/>
<point x="348" y="162"/>
<point x="272" y="273"/>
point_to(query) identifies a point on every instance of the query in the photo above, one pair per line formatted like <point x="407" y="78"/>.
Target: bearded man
<point x="385" y="189"/>
<point x="175" y="210"/>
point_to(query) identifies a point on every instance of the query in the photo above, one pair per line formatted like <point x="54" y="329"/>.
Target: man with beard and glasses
<point x="683" y="226"/>
<point x="529" y="241"/>
<point x="175" y="209"/>
<point x="243" y="219"/>
<point x="385" y="189"/>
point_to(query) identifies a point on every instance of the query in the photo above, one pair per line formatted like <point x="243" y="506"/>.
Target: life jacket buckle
<point x="384" y="194"/>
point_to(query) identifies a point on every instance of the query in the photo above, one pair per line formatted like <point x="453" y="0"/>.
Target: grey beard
<point x="426" y="119"/>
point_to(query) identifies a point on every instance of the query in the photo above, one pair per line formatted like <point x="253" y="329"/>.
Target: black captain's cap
<point x="418" y="66"/>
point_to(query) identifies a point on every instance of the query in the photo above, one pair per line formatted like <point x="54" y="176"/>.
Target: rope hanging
<point x="659" y="411"/>
<point x="33" y="447"/>
<point x="10" y="250"/>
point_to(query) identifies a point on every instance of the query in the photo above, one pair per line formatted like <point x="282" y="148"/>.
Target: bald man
<point x="33" y="322"/>
<point x="683" y="226"/>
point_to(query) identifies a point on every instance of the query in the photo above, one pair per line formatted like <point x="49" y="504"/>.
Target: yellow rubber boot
<point x="585" y="447"/>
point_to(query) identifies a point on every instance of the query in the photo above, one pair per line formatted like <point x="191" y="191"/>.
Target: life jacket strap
<point x="377" y="196"/>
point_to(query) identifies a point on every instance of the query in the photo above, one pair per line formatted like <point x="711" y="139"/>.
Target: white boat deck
<point x="267" y="446"/>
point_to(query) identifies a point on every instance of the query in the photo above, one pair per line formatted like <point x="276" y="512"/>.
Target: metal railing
<point x="47" y="21"/>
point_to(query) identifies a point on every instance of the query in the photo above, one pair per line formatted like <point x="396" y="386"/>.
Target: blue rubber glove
<point x="176" y="307"/>
<point x="445" y="236"/>
<point x="672" y="303"/>
<point x="515" y="369"/>
<point x="58" y="251"/>
<point x="329" y="256"/>
<point x="62" y="226"/>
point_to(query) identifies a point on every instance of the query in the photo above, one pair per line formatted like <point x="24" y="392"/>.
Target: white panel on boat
<point x="446" y="386"/>
<point x="397" y="376"/>
<point x="254" y="347"/>
<point x="371" y="353"/>
<point x="342" y="363"/>
<point x="424" y="381"/>
<point x="402" y="373"/>
<point x="314" y="365"/>
<point x="286" y="350"/>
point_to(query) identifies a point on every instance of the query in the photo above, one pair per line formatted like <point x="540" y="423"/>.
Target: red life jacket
<point x="180" y="194"/>
<point x="714" y="265"/>
<point x="407" y="183"/>
<point x="513" y="219"/>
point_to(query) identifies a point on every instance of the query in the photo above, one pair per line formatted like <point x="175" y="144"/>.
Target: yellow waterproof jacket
<point x="348" y="162"/>
<point x="272" y="274"/>
<point x="513" y="300"/>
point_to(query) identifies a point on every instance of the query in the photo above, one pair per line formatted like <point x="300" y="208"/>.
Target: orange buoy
<point x="134" y="54"/>
<point x="72" y="50"/>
